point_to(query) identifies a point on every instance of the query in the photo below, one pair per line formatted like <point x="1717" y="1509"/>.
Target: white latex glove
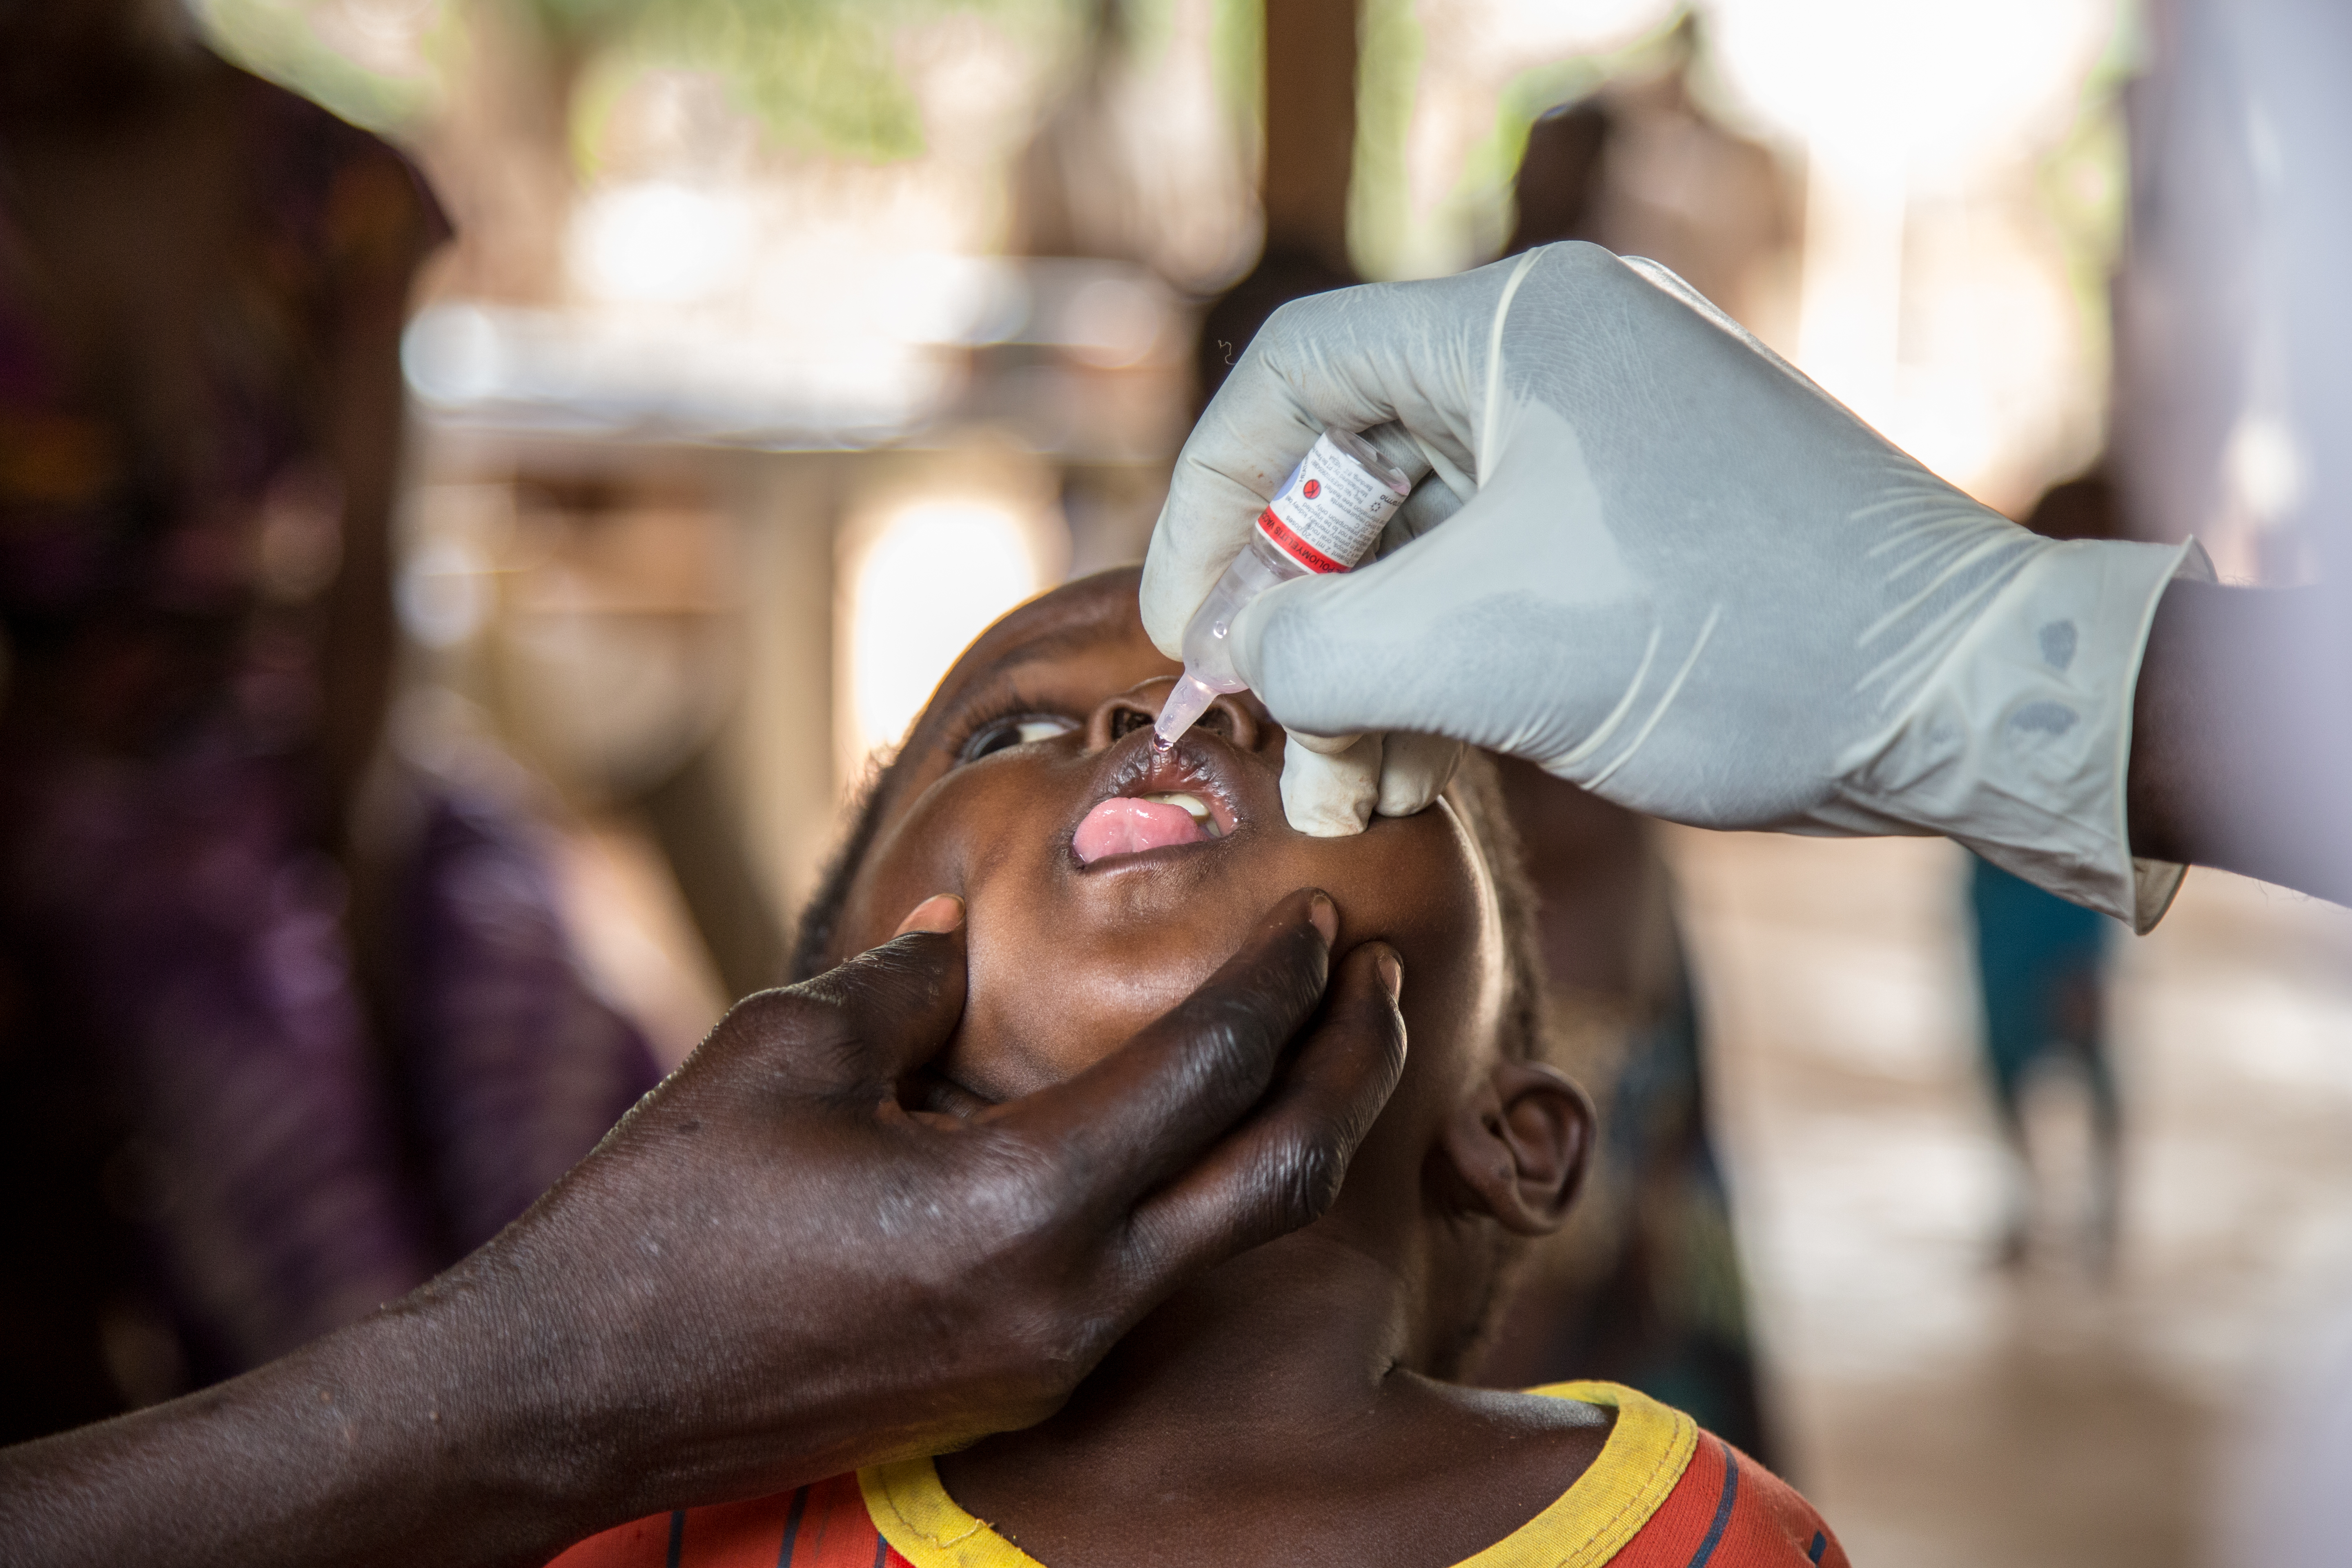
<point x="1658" y="562"/>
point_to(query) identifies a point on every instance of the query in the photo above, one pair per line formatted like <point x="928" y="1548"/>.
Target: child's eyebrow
<point x="1049" y="645"/>
<point x="1004" y="670"/>
<point x="998" y="684"/>
<point x="1000" y="693"/>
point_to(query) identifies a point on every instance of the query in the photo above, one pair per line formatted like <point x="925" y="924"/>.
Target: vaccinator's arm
<point x="2242" y="735"/>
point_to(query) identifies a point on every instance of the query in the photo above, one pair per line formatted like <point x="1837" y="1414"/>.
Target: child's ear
<point x="1519" y="1144"/>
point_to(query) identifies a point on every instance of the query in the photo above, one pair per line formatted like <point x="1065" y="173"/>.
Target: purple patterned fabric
<point x="516" y="1069"/>
<point x="199" y="946"/>
<point x="284" y="1171"/>
<point x="216" y="1142"/>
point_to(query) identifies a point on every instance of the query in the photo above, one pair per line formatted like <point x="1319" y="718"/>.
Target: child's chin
<point x="1006" y="1054"/>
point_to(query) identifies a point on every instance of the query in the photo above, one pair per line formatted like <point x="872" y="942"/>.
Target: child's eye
<point x="1009" y="733"/>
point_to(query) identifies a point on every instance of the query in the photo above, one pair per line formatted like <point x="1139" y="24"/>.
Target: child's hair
<point x="1525" y="1033"/>
<point x="812" y="940"/>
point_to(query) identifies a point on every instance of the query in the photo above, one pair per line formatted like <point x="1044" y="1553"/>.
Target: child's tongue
<point x="1123" y="825"/>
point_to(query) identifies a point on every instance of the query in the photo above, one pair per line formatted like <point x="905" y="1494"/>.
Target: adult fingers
<point x="1252" y="434"/>
<point x="878" y="1017"/>
<point x="1283" y="1167"/>
<point x="1441" y="637"/>
<point x="1415" y="770"/>
<point x="1414" y="356"/>
<point x="940" y="913"/>
<point x="1351" y="358"/>
<point x="1147" y="1111"/>
<point x="1330" y="785"/>
<point x="1434" y="501"/>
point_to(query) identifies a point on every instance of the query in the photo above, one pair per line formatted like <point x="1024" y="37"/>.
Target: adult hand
<point x="771" y="1271"/>
<point x="1659" y="563"/>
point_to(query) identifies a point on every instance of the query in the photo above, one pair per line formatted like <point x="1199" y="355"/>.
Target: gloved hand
<point x="1655" y="559"/>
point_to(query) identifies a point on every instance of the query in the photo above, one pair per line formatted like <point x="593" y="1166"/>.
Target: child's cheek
<point x="918" y="853"/>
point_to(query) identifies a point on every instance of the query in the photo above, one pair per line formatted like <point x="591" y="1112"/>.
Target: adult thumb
<point x="879" y="1016"/>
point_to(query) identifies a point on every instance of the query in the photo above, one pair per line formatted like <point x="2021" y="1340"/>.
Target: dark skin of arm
<point x="769" y="1273"/>
<point x="2241" y="755"/>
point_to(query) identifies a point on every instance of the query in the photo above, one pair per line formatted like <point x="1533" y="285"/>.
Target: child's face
<point x="1076" y="941"/>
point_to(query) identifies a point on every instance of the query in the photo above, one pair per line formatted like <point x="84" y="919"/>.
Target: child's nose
<point x="1138" y="707"/>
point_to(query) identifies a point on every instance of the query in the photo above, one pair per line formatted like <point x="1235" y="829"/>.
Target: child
<point x="1291" y="1406"/>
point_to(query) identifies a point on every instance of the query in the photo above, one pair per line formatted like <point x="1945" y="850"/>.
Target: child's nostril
<point x="1126" y="716"/>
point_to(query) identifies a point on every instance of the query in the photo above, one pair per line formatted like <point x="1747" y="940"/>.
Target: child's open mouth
<point x="1154" y="802"/>
<point x="1125" y="825"/>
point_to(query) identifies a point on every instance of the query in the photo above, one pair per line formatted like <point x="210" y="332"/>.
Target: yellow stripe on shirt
<point x="1648" y="1449"/>
<point x="925" y="1526"/>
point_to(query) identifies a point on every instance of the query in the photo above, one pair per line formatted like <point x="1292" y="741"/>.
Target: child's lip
<point x="1204" y="768"/>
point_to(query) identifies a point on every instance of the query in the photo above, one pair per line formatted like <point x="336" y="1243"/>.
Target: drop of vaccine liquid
<point x="1161" y="744"/>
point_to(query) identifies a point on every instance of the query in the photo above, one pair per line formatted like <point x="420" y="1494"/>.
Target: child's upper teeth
<point x="1192" y="804"/>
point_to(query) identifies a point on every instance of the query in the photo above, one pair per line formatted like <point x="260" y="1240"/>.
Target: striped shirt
<point x="1663" y="1494"/>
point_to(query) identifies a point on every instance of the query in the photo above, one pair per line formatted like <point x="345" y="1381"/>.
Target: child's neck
<point x="1296" y="1337"/>
<point x="1243" y="1415"/>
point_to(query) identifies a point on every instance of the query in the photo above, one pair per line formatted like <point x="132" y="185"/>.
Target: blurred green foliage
<point x="818" y="73"/>
<point x="278" y="39"/>
<point x="1388" y="68"/>
<point x="1470" y="222"/>
<point x="1492" y="168"/>
<point x="2085" y="182"/>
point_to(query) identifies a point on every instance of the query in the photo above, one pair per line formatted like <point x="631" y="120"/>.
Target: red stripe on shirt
<point x="1766" y="1524"/>
<point x="822" y="1526"/>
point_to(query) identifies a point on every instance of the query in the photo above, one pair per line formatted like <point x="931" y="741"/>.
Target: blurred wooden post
<point x="781" y="740"/>
<point x="1311" y="126"/>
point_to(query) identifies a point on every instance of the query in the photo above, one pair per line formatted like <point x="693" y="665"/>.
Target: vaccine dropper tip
<point x="1187" y="702"/>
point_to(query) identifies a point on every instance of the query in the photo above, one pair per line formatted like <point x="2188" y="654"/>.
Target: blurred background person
<point x="2042" y="972"/>
<point x="286" y="1026"/>
<point x="2041" y="966"/>
<point x="1309" y="116"/>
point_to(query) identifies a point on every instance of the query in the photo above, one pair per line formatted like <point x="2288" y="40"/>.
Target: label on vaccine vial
<point x="1329" y="515"/>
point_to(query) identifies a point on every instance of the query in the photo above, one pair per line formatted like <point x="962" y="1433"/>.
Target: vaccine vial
<point x="1326" y="518"/>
